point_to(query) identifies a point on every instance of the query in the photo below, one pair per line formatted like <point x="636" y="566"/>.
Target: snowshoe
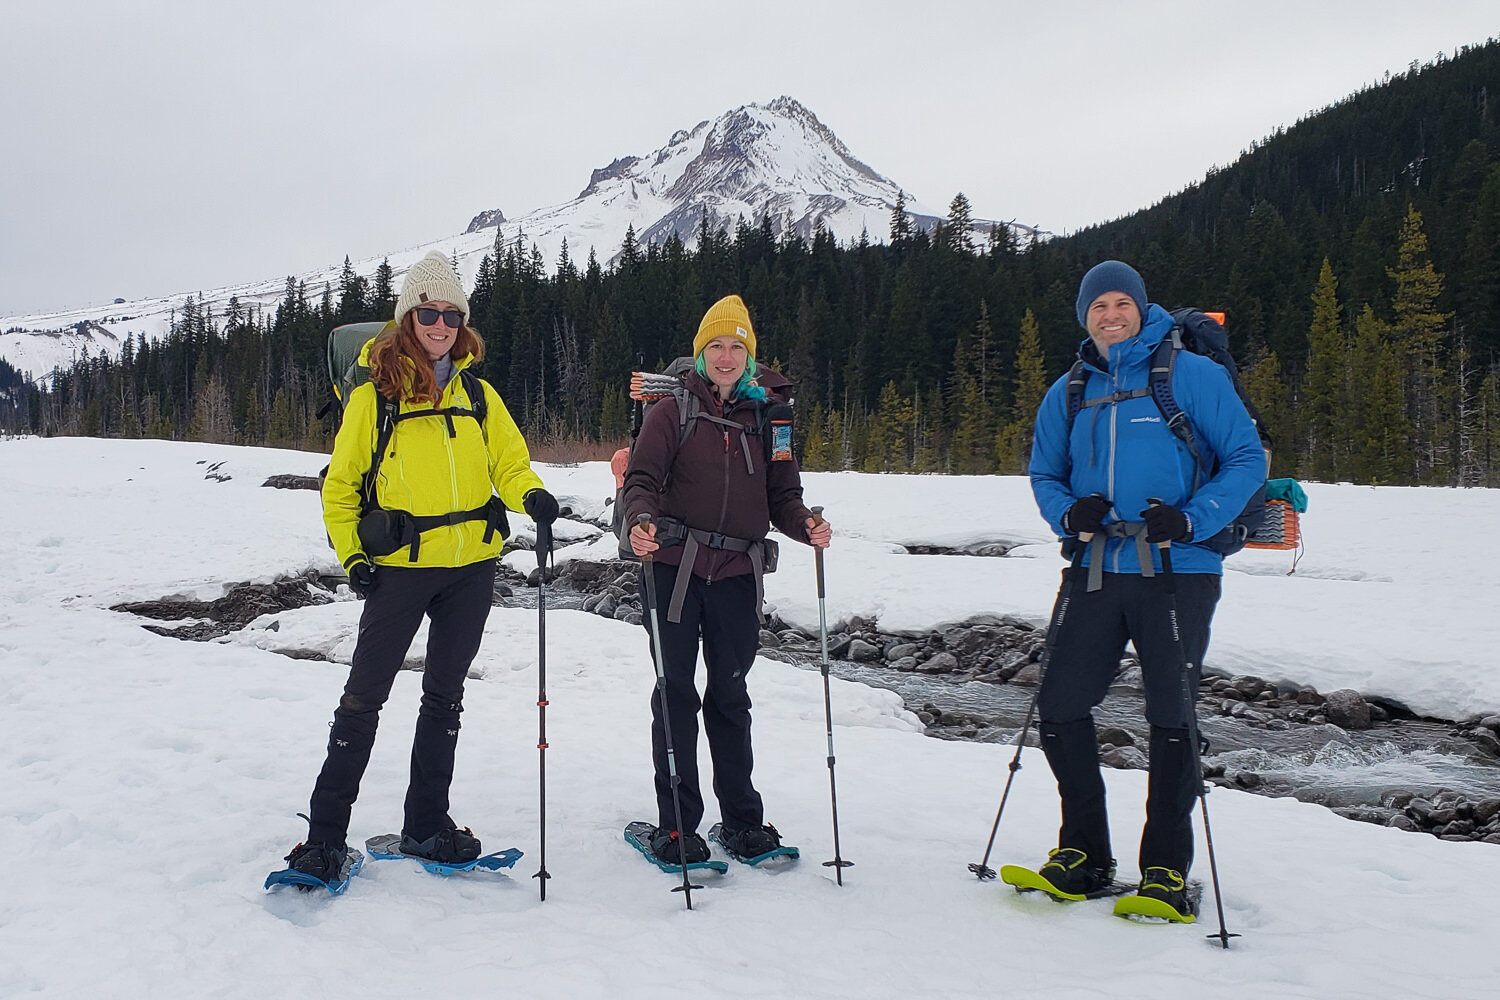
<point x="753" y="844"/>
<point x="318" y="866"/>
<point x="392" y="846"/>
<point x="1067" y="875"/>
<point x="448" y="847"/>
<point x="660" y="846"/>
<point x="1163" y="895"/>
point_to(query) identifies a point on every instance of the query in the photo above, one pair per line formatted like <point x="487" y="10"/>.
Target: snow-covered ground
<point x="149" y="784"/>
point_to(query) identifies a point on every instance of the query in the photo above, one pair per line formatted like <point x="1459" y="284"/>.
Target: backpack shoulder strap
<point x="1163" y="366"/>
<point x="1078" y="377"/>
<point x="688" y="410"/>
<point x="387" y="413"/>
<point x="479" y="404"/>
<point x="478" y="401"/>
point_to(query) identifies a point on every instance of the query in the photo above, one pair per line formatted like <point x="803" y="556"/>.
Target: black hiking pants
<point x="1084" y="663"/>
<point x="723" y="614"/>
<point x="457" y="600"/>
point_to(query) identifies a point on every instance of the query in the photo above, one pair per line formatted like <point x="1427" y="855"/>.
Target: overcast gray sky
<point x="157" y="146"/>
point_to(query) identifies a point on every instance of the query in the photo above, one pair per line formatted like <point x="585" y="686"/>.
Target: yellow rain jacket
<point x="426" y="471"/>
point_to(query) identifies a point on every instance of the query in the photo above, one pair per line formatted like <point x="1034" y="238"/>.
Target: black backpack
<point x="1199" y="332"/>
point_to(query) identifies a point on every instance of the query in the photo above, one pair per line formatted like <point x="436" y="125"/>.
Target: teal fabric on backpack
<point x="1288" y="490"/>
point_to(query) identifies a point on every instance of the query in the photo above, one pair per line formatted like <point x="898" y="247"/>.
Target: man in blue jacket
<point x="1120" y="475"/>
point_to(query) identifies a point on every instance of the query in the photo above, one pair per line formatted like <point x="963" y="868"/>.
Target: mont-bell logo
<point x="1145" y="420"/>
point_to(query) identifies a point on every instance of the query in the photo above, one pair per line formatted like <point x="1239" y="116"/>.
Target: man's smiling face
<point x="1113" y="317"/>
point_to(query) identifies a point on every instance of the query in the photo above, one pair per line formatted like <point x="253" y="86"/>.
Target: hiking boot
<point x="752" y="841"/>
<point x="1165" y="885"/>
<point x="322" y="861"/>
<point x="449" y="847"/>
<point x="665" y="845"/>
<point x="1071" y="872"/>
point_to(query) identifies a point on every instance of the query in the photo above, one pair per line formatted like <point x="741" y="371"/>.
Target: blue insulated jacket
<point x="1125" y="451"/>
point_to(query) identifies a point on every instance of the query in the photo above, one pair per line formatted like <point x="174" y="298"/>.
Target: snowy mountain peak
<point x="772" y="161"/>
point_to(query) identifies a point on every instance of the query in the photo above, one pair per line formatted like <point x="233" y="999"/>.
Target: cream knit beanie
<point x="430" y="280"/>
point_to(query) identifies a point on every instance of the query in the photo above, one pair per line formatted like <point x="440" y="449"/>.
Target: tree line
<point x="1356" y="255"/>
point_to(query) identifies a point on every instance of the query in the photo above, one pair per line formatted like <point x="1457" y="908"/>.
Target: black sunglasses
<point x="428" y="316"/>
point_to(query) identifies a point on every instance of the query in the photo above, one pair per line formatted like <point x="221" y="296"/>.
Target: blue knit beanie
<point x="1110" y="276"/>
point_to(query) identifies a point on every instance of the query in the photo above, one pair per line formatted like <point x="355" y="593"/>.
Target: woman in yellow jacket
<point x="418" y="528"/>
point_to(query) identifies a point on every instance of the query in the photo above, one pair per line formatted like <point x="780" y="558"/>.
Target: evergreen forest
<point x="1356" y="255"/>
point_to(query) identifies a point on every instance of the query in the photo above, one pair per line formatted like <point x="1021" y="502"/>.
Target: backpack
<point x="345" y="345"/>
<point x="1202" y="333"/>
<point x="773" y="426"/>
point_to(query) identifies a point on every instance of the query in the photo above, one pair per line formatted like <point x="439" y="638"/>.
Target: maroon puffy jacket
<point x="705" y="483"/>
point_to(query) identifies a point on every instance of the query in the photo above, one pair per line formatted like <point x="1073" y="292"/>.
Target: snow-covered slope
<point x="774" y="161"/>
<point x="149" y="783"/>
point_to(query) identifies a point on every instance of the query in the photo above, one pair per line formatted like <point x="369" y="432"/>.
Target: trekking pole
<point x="1192" y="713"/>
<point x="838" y="864"/>
<point x="982" y="869"/>
<point x="648" y="573"/>
<point x="543" y="552"/>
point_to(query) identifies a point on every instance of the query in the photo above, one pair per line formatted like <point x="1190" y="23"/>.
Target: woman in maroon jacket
<point x="713" y="491"/>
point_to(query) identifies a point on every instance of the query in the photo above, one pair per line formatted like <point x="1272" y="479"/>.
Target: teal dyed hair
<point x="744" y="388"/>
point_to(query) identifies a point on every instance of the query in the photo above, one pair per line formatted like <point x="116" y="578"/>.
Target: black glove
<point x="1086" y="516"/>
<point x="540" y="506"/>
<point x="362" y="578"/>
<point x="1166" y="524"/>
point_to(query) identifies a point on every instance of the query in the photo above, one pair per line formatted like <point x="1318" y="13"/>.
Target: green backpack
<point x="345" y="373"/>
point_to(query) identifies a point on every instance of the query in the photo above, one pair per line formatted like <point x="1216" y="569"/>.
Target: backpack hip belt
<point x="383" y="531"/>
<point x="763" y="553"/>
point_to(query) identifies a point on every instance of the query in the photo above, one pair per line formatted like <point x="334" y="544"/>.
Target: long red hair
<point x="399" y="366"/>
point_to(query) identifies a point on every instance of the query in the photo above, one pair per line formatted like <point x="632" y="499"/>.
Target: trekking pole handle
<point x="642" y="521"/>
<point x="817" y="513"/>
<point x="1158" y="502"/>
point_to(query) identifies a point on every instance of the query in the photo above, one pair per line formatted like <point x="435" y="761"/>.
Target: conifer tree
<point x="383" y="296"/>
<point x="901" y="228"/>
<point x="1417" y="331"/>
<point x="1013" y="446"/>
<point x="891" y="432"/>
<point x="279" y="429"/>
<point x="1266" y="386"/>
<point x="1325" y="405"/>
<point x="969" y="450"/>
<point x="1380" y="445"/>
<point x="959" y="231"/>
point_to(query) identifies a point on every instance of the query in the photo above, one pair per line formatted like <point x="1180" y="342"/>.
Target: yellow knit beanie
<point x="727" y="317"/>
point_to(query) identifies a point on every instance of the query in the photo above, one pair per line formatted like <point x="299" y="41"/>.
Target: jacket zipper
<point x="453" y="485"/>
<point x="1114" y="412"/>
<point x="723" y="504"/>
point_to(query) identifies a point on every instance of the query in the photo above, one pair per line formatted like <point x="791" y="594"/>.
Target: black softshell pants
<point x="457" y="600"/>
<point x="723" y="614"/>
<point x="1084" y="663"/>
